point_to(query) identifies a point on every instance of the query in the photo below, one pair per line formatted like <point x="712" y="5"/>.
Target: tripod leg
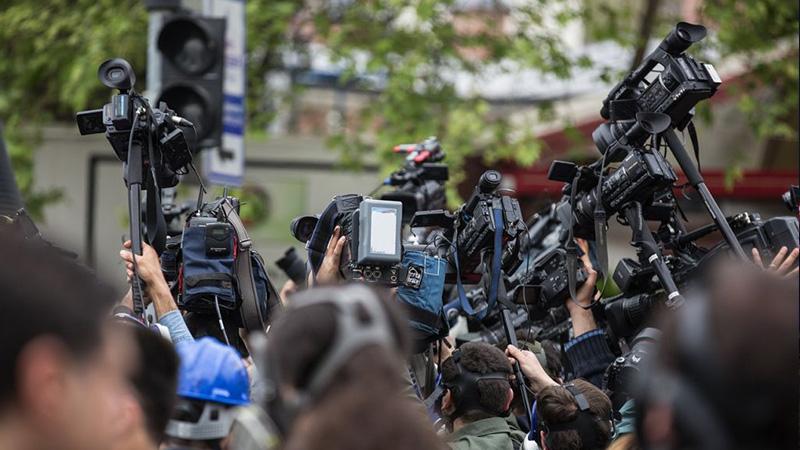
<point x="696" y="180"/>
<point x="643" y="240"/>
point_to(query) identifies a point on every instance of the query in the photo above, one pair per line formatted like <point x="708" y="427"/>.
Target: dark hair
<point x="155" y="379"/>
<point x="481" y="358"/>
<point x="742" y="370"/>
<point x="555" y="405"/>
<point x="346" y="414"/>
<point x="44" y="294"/>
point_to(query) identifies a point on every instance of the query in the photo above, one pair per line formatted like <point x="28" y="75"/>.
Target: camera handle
<point x="133" y="178"/>
<point x="696" y="180"/>
<point x="511" y="338"/>
<point x="643" y="240"/>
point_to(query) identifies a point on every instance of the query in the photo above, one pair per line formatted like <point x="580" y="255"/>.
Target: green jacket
<point x="494" y="433"/>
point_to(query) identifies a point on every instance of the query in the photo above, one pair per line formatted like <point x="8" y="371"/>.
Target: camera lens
<point x="116" y="74"/>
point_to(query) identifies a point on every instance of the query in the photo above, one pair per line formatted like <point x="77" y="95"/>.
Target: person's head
<point x="212" y="382"/>
<point x="476" y="382"/>
<point x="334" y="364"/>
<point x="725" y="373"/>
<point x="60" y="378"/>
<point x="153" y="380"/>
<point x="575" y="416"/>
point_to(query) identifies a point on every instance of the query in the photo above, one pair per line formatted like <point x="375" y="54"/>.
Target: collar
<point x="483" y="427"/>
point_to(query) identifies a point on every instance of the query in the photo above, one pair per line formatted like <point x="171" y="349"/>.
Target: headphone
<point x="354" y="331"/>
<point x="464" y="387"/>
<point x="585" y="423"/>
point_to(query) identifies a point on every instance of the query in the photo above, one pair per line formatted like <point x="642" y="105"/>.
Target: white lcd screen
<point x="383" y="231"/>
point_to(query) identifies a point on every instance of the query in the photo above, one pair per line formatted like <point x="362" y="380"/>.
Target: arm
<point x="531" y="368"/>
<point x="157" y="290"/>
<point x="588" y="351"/>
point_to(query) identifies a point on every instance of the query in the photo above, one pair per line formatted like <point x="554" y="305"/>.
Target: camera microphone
<point x="178" y="120"/>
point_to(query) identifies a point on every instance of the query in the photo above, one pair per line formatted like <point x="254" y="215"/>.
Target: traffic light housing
<point x="192" y="69"/>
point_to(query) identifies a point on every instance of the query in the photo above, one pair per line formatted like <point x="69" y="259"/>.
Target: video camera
<point x="153" y="148"/>
<point x="473" y="226"/>
<point x="667" y="81"/>
<point x="640" y="175"/>
<point x="129" y="121"/>
<point x="420" y="183"/>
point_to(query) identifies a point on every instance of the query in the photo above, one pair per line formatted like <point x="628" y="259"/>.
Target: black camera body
<point x="667" y="81"/>
<point x="128" y="120"/>
<point x="640" y="175"/>
<point x="546" y="285"/>
<point x="620" y="377"/>
<point x="420" y="182"/>
<point x="476" y="225"/>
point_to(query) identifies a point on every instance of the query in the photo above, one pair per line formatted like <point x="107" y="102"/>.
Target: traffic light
<point x="192" y="49"/>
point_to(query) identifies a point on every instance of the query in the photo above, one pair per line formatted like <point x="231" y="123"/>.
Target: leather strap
<point x="252" y="318"/>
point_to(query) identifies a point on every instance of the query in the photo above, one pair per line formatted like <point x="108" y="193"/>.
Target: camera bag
<point x="219" y="267"/>
<point x="420" y="292"/>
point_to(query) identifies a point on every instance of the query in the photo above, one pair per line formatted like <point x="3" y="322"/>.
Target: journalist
<point x="725" y="373"/>
<point x="153" y="380"/>
<point x="212" y="383"/>
<point x="62" y="380"/>
<point x="334" y="365"/>
<point x="477" y="399"/>
<point x="572" y="416"/>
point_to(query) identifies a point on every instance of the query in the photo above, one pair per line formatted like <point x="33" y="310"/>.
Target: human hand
<point x="329" y="272"/>
<point x="782" y="262"/>
<point x="288" y="288"/>
<point x="587" y="290"/>
<point x="530" y="367"/>
<point x="148" y="265"/>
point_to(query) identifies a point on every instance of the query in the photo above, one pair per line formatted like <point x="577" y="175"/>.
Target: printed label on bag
<point x="414" y="276"/>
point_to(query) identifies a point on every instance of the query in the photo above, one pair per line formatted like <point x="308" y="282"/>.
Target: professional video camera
<point x="488" y="221"/>
<point x="131" y="124"/>
<point x="620" y="376"/>
<point x="667" y="81"/>
<point x="420" y="183"/>
<point x="150" y="144"/>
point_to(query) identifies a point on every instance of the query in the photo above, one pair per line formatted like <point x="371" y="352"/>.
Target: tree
<point x="48" y="69"/>
<point x="418" y="46"/>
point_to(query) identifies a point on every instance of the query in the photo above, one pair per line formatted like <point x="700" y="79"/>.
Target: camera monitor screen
<point x="380" y="222"/>
<point x="383" y="237"/>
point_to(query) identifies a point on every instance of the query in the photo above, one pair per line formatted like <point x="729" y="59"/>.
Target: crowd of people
<point x="80" y="370"/>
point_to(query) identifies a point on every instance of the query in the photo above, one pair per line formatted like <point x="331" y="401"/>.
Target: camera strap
<point x="570" y="247"/>
<point x="253" y="316"/>
<point x="695" y="143"/>
<point x="464" y="305"/>
<point x="156" y="225"/>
